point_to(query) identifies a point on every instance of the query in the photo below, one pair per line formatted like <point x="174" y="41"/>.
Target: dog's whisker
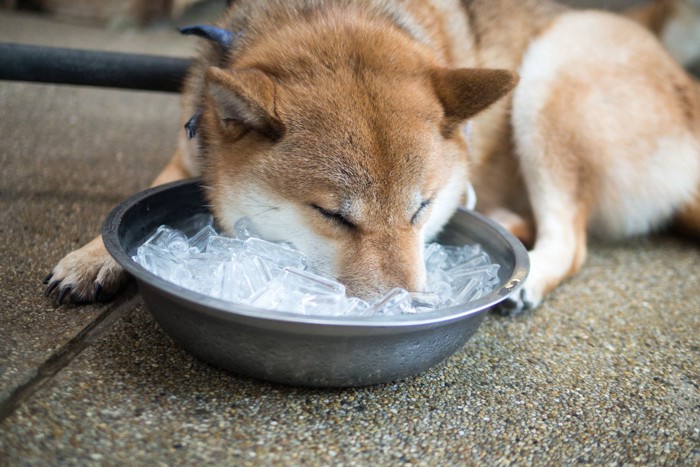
<point x="272" y="208"/>
<point x="260" y="206"/>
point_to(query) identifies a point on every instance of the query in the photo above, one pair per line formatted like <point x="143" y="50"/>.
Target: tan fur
<point x="332" y="122"/>
<point x="677" y="25"/>
<point x="654" y="14"/>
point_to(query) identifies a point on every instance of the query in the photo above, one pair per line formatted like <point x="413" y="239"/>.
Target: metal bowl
<point x="295" y="349"/>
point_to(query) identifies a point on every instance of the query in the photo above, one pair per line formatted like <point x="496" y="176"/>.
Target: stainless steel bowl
<point x="296" y="349"/>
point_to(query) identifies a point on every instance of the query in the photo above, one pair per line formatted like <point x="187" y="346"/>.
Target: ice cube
<point x="324" y="304"/>
<point x="489" y="271"/>
<point x="311" y="283"/>
<point x="255" y="272"/>
<point x="197" y="222"/>
<point x="357" y="307"/>
<point x="302" y="292"/>
<point x="198" y="242"/>
<point x="236" y="286"/>
<point x="320" y="296"/>
<point x="474" y="256"/>
<point x="207" y="275"/>
<point x="274" y="296"/>
<point x="316" y="295"/>
<point x="175" y="241"/>
<point x="281" y="255"/>
<point x="424" y="300"/>
<point x="443" y="290"/>
<point x="224" y="245"/>
<point x="244" y="229"/>
<point x="159" y="236"/>
<point x="469" y="291"/>
<point x="161" y="262"/>
<point x="471" y="255"/>
<point x="460" y="276"/>
<point x="395" y="302"/>
<point x="439" y="275"/>
<point x="435" y="256"/>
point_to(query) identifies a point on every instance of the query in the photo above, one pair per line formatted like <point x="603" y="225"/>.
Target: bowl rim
<point x="229" y="310"/>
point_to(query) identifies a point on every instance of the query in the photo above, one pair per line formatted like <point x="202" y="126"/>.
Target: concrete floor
<point x="606" y="371"/>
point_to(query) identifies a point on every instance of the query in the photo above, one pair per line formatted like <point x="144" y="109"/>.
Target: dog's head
<point x="352" y="152"/>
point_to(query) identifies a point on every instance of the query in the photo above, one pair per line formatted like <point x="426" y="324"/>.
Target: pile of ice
<point x="249" y="270"/>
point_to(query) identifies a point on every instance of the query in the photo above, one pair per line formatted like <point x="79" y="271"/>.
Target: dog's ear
<point x="464" y="92"/>
<point x="244" y="98"/>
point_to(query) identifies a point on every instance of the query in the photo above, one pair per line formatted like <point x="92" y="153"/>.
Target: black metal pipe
<point x="104" y="69"/>
<point x="91" y="68"/>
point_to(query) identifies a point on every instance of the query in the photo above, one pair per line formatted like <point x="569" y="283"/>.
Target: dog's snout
<point x="371" y="276"/>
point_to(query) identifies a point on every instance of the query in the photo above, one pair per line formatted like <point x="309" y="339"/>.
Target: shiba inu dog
<point x="339" y="126"/>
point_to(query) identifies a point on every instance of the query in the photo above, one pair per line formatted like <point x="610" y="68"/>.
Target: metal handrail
<point x="19" y="62"/>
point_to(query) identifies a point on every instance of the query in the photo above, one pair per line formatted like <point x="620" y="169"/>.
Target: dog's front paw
<point x="514" y="305"/>
<point x="518" y="303"/>
<point x="85" y="275"/>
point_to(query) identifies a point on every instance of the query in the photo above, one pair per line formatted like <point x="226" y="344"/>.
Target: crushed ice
<point x="274" y="276"/>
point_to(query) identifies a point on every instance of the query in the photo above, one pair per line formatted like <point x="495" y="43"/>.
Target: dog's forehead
<point x="359" y="95"/>
<point x="381" y="122"/>
<point x="364" y="155"/>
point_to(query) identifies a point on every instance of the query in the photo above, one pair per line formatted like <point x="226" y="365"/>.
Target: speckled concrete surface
<point x="68" y="155"/>
<point x="63" y="170"/>
<point x="606" y="371"/>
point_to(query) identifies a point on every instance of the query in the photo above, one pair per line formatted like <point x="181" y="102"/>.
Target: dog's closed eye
<point x="334" y="216"/>
<point x="420" y="210"/>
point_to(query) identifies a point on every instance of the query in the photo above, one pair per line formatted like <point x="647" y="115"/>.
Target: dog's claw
<point x="98" y="291"/>
<point x="62" y="293"/>
<point x="51" y="287"/>
<point x="47" y="279"/>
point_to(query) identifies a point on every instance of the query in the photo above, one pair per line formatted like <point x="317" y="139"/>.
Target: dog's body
<point x="338" y="126"/>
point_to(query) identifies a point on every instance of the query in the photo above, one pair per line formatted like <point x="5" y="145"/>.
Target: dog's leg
<point x="687" y="220"/>
<point x="561" y="217"/>
<point x="560" y="246"/>
<point x="89" y="273"/>
<point x="517" y="225"/>
<point x="614" y="153"/>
